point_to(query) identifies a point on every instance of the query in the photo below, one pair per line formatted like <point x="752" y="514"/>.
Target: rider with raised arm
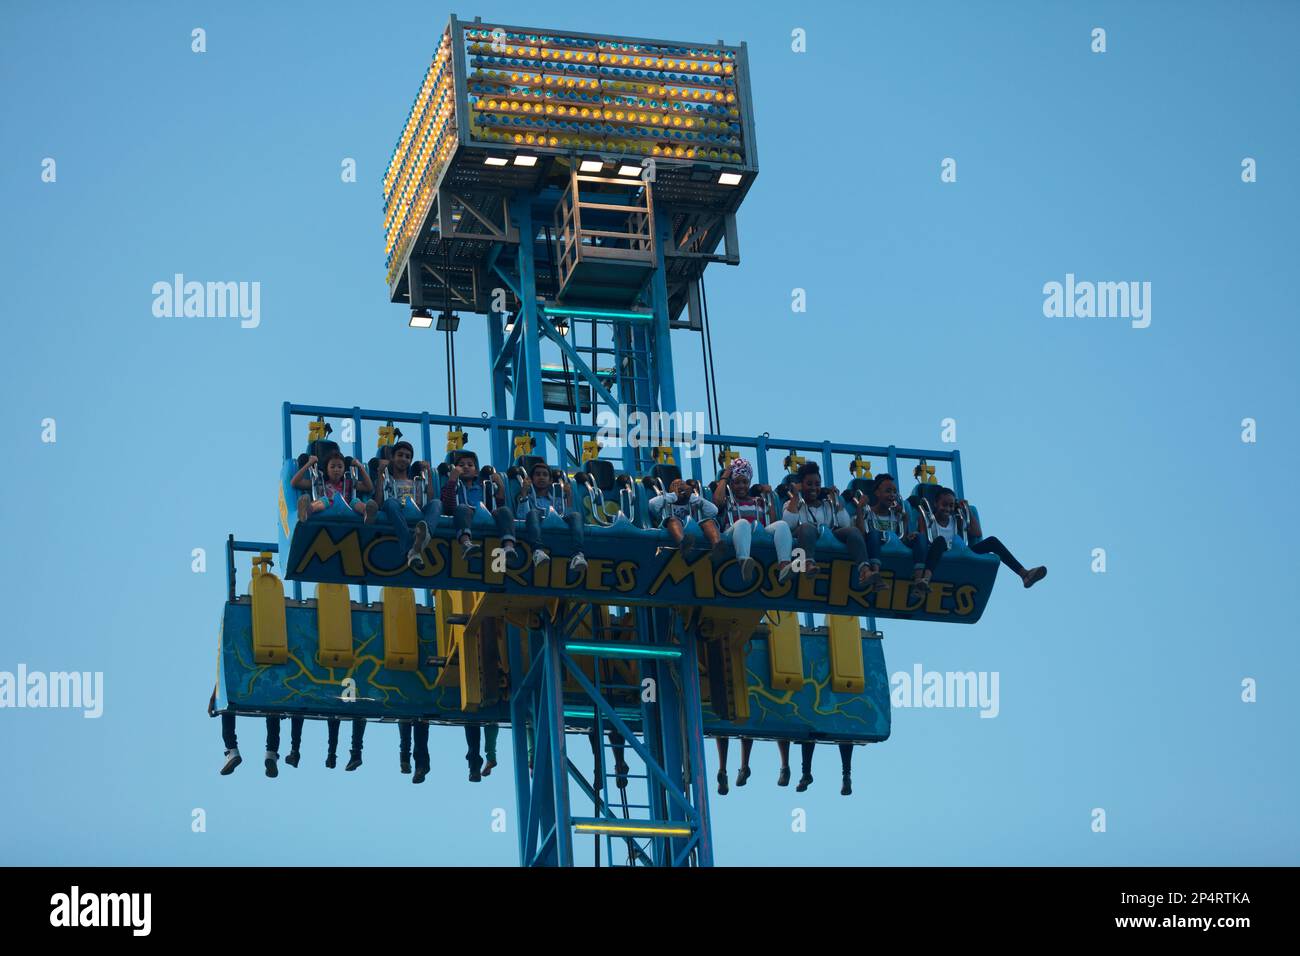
<point x="464" y="493"/>
<point x="677" y="505"/>
<point x="882" y="512"/>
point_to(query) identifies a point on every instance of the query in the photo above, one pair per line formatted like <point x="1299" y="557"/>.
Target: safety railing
<point x="560" y="435"/>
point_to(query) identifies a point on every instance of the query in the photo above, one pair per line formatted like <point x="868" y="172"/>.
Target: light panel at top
<point x="609" y="95"/>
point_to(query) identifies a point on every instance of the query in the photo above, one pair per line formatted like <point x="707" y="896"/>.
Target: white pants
<point x="741" y="534"/>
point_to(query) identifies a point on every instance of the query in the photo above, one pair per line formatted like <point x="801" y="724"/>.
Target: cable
<point x="712" y="375"/>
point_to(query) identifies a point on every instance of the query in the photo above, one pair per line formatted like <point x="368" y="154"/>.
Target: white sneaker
<point x="784" y="574"/>
<point x="468" y="548"/>
<point x="540" y="556"/>
<point x="577" y="562"/>
<point x="746" y="569"/>
<point x="233" y="760"/>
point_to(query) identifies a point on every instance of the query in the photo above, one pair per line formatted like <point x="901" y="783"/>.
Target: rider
<point x="464" y="493"/>
<point x="948" y="526"/>
<point x="337" y="484"/>
<point x="740" y="512"/>
<point x="811" y="507"/>
<point x="396" y="487"/>
<point x="678" y="504"/>
<point x="533" y="504"/>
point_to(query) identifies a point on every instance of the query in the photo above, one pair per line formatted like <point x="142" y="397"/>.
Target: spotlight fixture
<point x="521" y="160"/>
<point x="495" y="161"/>
<point x="448" y="321"/>
<point x="591" y="164"/>
<point x="729" y="179"/>
<point x="629" y="170"/>
<point x="421" y="319"/>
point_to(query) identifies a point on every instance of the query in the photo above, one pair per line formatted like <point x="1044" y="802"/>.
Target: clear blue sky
<point x="1118" y="690"/>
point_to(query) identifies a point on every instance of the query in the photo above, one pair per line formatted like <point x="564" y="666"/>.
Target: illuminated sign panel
<point x="532" y="90"/>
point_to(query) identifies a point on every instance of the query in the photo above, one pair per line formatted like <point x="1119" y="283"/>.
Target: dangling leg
<point x="806" y="757"/>
<point x="783" y="778"/>
<point x="358" y="735"/>
<point x="332" y="742"/>
<point x="742" y="775"/>
<point x="231" y="742"/>
<point x="846" y="765"/>
<point x="272" y="746"/>
<point x="723" y="743"/>
<point x="421" y="734"/>
<point x="295" y="741"/>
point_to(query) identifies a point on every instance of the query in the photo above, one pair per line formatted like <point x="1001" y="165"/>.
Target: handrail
<point x="560" y="432"/>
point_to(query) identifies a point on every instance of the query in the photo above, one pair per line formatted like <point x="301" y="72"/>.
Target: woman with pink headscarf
<point x="739" y="512"/>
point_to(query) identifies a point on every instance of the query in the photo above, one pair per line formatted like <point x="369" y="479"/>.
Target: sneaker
<point x="372" y="509"/>
<point x="420" y="774"/>
<point x="783" y="575"/>
<point x="747" y="566"/>
<point x="414" y="557"/>
<point x="509" y="548"/>
<point x="918" y="592"/>
<point x="467" y="547"/>
<point x="540" y="556"/>
<point x="272" y="764"/>
<point x="331" y="761"/>
<point x="475" y="774"/>
<point x="487" y="767"/>
<point x="688" y="543"/>
<point x="304" y="507"/>
<point x="620" y="775"/>
<point x="354" y="761"/>
<point x="577" y="562"/>
<point x="406" y="764"/>
<point x="803" y="782"/>
<point x="292" y="758"/>
<point x="783" y="778"/>
<point x="846" y="788"/>
<point x="742" y="776"/>
<point x="233" y="760"/>
<point x="723" y="789"/>
<point x="1034" y="575"/>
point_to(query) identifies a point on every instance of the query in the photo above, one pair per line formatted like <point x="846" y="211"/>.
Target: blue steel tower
<point x="572" y="191"/>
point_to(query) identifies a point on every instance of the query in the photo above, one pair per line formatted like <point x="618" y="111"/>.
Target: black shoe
<point x="783" y="778"/>
<point x="331" y="761"/>
<point x="475" y="775"/>
<point x="292" y="758"/>
<point x="723" y="789"/>
<point x="420" y="774"/>
<point x="354" y="761"/>
<point x="406" y="765"/>
<point x="620" y="778"/>
<point x="846" y="788"/>
<point x="803" y="782"/>
<point x="233" y="760"/>
<point x="272" y="766"/>
<point x="742" y="776"/>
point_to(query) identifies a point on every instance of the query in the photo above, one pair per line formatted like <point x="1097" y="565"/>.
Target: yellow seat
<point x="270" y="632"/>
<point x="844" y="635"/>
<point x="784" y="650"/>
<point x="401" y="637"/>
<point x="334" y="625"/>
